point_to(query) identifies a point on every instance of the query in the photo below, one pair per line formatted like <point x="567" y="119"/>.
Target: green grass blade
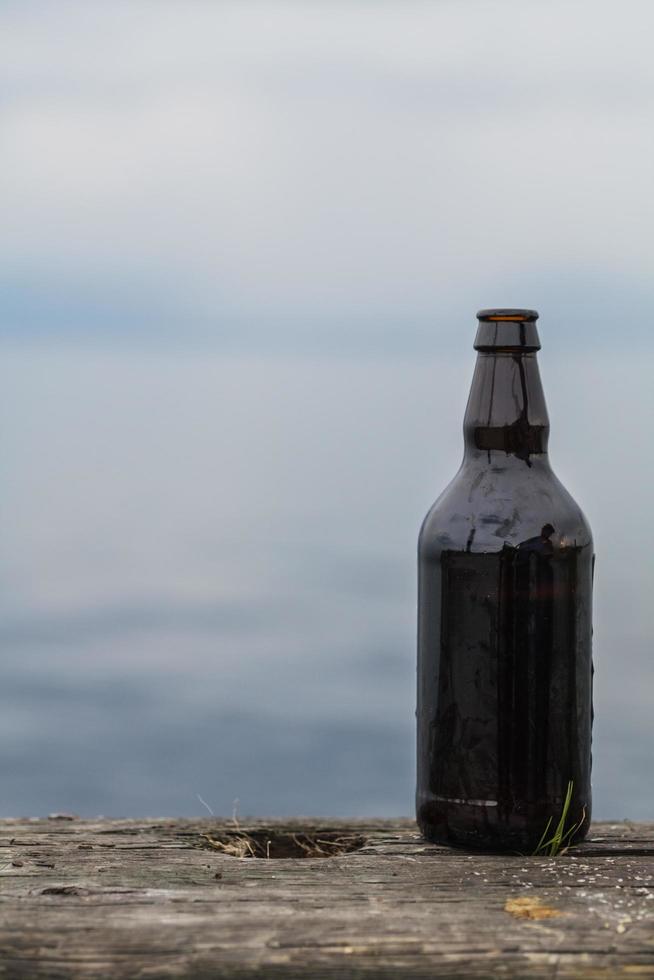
<point x="555" y="844"/>
<point x="558" y="833"/>
<point x="541" y="842"/>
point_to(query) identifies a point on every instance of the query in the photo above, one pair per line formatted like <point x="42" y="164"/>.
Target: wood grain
<point x="153" y="899"/>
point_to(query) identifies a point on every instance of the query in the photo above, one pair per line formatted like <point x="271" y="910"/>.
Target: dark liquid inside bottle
<point x="505" y="672"/>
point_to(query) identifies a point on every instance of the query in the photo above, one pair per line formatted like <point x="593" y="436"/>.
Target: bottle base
<point x="515" y="830"/>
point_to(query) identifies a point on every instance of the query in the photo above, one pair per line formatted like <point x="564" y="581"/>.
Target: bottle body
<point x="504" y="629"/>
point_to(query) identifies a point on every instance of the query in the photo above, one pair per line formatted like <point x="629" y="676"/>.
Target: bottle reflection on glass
<point x="504" y="619"/>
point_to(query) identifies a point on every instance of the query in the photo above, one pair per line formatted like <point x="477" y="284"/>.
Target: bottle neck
<point x="506" y="412"/>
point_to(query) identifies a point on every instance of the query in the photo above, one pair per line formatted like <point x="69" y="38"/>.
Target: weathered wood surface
<point x="150" y="899"/>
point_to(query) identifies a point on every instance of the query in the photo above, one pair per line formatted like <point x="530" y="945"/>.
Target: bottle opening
<point x="507" y="316"/>
<point x="507" y="330"/>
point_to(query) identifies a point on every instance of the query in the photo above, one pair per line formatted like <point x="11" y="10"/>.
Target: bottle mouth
<point x="507" y="316"/>
<point x="513" y="331"/>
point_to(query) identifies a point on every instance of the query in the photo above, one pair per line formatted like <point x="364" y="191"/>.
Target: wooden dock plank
<point x="153" y="898"/>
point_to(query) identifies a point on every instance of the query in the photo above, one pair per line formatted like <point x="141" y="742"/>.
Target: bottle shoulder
<point x="488" y="505"/>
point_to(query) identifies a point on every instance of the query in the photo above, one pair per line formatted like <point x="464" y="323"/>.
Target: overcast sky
<point x="338" y="175"/>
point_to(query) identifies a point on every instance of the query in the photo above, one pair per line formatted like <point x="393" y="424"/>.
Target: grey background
<point x="243" y="248"/>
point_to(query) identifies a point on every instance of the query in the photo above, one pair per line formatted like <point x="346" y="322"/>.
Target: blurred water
<point x="207" y="574"/>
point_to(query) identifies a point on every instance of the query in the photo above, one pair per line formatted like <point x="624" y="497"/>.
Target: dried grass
<point x="281" y="844"/>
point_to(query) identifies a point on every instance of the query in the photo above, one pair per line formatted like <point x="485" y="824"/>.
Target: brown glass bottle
<point x="504" y="619"/>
